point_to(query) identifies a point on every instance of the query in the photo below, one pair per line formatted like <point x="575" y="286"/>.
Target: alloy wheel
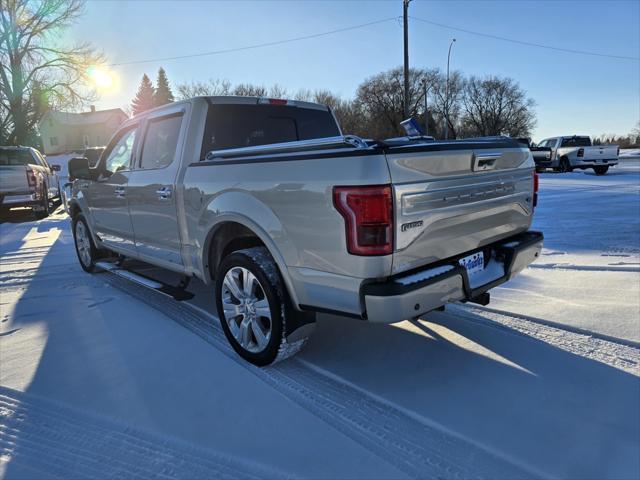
<point x="246" y="309"/>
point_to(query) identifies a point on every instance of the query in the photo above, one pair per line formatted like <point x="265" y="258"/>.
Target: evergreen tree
<point x="144" y="97"/>
<point x="163" y="94"/>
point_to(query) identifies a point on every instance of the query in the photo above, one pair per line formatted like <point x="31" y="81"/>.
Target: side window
<point x="160" y="142"/>
<point x="119" y="157"/>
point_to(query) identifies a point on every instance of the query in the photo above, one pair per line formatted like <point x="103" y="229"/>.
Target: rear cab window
<point x="247" y="125"/>
<point x="576" y="142"/>
<point x="15" y="157"/>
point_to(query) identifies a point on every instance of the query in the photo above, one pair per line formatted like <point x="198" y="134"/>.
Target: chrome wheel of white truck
<point x="253" y="306"/>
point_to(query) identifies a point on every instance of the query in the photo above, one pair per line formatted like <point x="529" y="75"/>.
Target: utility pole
<point x="446" y="95"/>
<point x="426" y="107"/>
<point x="405" y="5"/>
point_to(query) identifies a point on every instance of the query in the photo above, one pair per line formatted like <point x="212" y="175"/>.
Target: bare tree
<point x="446" y="108"/>
<point x="496" y="106"/>
<point x="213" y="87"/>
<point x="34" y="66"/>
<point x="381" y="99"/>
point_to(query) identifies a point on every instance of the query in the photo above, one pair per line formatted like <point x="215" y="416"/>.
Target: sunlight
<point x="102" y="79"/>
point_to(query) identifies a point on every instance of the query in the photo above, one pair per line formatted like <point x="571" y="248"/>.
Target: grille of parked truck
<point x="27" y="180"/>
<point x="569" y="153"/>
<point x="268" y="203"/>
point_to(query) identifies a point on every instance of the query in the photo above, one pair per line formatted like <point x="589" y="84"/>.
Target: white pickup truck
<point x="27" y="180"/>
<point x="266" y="201"/>
<point x="569" y="153"/>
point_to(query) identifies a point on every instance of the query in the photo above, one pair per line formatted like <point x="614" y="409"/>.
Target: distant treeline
<point x="474" y="106"/>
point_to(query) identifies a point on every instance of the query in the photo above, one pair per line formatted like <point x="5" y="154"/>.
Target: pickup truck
<point x="27" y="180"/>
<point x="541" y="155"/>
<point x="283" y="216"/>
<point x="569" y="153"/>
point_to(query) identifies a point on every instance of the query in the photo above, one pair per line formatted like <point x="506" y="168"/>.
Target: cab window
<point x="119" y="157"/>
<point x="160" y="142"/>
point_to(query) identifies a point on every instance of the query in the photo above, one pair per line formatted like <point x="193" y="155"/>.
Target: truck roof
<point x="240" y="100"/>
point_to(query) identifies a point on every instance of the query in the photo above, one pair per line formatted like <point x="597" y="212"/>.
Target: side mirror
<point x="79" y="168"/>
<point x="56" y="168"/>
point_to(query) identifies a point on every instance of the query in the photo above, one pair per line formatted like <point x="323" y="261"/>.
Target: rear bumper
<point x="18" y="200"/>
<point x="409" y="295"/>
<point x="594" y="163"/>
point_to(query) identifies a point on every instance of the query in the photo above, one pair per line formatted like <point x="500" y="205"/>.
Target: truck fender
<point x="77" y="205"/>
<point x="251" y="213"/>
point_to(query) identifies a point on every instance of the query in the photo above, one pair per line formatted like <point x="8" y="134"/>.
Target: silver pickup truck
<point x="269" y="203"/>
<point x="27" y="180"/>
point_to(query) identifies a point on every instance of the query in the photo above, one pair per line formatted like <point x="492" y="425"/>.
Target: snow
<point x="101" y="377"/>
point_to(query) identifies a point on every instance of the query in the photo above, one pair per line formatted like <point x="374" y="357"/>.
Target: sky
<point x="575" y="94"/>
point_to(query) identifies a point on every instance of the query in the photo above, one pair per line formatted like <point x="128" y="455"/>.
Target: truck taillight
<point x="535" y="189"/>
<point x="31" y="178"/>
<point x="618" y="152"/>
<point x="581" y="152"/>
<point x="368" y="215"/>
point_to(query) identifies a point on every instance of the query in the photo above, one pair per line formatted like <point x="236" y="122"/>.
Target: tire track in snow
<point x="412" y="446"/>
<point x="60" y="441"/>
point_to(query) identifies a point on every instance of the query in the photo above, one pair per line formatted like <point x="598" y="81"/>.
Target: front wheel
<point x="85" y="248"/>
<point x="601" y="170"/>
<point x="254" y="307"/>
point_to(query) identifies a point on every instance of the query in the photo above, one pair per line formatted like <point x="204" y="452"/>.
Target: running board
<point x="169" y="290"/>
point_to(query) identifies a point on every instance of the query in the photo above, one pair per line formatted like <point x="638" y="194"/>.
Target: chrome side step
<point x="176" y="293"/>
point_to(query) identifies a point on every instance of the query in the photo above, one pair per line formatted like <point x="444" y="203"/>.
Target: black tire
<point x="565" y="165"/>
<point x="45" y="209"/>
<point x="243" y="313"/>
<point x="601" y="170"/>
<point x="87" y="263"/>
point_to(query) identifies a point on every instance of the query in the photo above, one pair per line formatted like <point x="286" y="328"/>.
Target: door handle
<point x="119" y="192"/>
<point x="164" y="193"/>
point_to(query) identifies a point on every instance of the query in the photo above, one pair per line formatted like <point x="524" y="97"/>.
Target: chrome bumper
<point x="416" y="293"/>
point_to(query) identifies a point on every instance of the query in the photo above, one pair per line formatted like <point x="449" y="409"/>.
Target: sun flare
<point x="102" y="79"/>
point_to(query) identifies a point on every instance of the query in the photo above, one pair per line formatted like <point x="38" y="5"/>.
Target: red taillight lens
<point x="535" y="189"/>
<point x="581" y="152"/>
<point x="31" y="178"/>
<point x="368" y="215"/>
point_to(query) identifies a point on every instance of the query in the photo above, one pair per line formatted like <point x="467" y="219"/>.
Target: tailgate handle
<point x="485" y="161"/>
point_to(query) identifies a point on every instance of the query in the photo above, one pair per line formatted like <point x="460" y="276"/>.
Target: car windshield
<point x="9" y="157"/>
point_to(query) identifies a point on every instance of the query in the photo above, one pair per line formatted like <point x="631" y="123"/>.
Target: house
<point x="64" y="132"/>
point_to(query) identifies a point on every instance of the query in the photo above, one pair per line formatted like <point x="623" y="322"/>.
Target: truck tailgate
<point x="455" y="197"/>
<point x="13" y="179"/>
<point x="603" y="152"/>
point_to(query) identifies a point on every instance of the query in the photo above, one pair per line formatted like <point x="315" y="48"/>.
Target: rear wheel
<point x="601" y="170"/>
<point x="565" y="165"/>
<point x="43" y="210"/>
<point x="254" y="307"/>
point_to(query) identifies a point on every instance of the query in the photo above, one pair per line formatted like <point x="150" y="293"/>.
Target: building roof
<point x="84" y="118"/>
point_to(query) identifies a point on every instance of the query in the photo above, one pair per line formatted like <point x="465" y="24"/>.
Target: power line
<point x="259" y="45"/>
<point x="521" y="42"/>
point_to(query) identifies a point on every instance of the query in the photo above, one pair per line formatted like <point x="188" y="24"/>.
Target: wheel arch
<point x="235" y="232"/>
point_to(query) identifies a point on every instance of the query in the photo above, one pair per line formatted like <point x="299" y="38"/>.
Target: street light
<point x="446" y="95"/>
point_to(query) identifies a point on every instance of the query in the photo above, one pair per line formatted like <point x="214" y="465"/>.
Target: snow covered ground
<point x="102" y="378"/>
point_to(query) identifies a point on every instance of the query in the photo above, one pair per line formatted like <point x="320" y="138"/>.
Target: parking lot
<point x="98" y="375"/>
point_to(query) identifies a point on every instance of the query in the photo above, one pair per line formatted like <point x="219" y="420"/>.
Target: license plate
<point x="473" y="263"/>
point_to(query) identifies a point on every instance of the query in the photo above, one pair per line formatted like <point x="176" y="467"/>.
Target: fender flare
<point x="224" y="209"/>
